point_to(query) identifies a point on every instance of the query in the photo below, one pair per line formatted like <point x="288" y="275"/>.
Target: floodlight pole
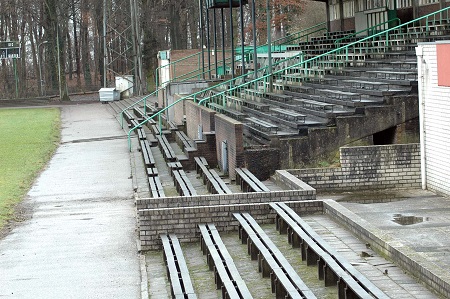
<point x="269" y="45"/>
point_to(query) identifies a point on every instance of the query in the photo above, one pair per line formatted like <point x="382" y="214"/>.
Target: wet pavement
<point x="80" y="239"/>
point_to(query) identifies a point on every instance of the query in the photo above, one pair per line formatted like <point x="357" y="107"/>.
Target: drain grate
<point x="407" y="219"/>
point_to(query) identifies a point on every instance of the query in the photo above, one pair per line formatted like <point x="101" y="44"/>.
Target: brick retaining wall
<point x="368" y="167"/>
<point x="184" y="221"/>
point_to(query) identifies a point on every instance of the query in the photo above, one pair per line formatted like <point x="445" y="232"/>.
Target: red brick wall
<point x="179" y="109"/>
<point x="230" y="130"/>
<point x="196" y="115"/>
<point x="193" y="65"/>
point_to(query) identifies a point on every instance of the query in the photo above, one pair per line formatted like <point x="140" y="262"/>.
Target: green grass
<point x="28" y="138"/>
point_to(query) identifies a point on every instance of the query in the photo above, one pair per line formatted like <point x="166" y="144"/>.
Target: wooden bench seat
<point x="332" y="268"/>
<point x="253" y="93"/>
<point x="279" y="97"/>
<point x="187" y="142"/>
<point x="286" y="283"/>
<point x="289" y="115"/>
<point x="316" y="105"/>
<point x="238" y="115"/>
<point x="371" y="85"/>
<point x="262" y="125"/>
<point x="183" y="184"/>
<point x="127" y="116"/>
<point x="155" y="186"/>
<point x="338" y="94"/>
<point x="220" y="261"/>
<point x="200" y="161"/>
<point x="147" y="155"/>
<point x="393" y="75"/>
<point x="139" y="112"/>
<point x="174" y="166"/>
<point x="248" y="182"/>
<point x="177" y="271"/>
<point x="216" y="107"/>
<point x="152" y="171"/>
<point x="257" y="106"/>
<point x="166" y="148"/>
<point x="211" y="178"/>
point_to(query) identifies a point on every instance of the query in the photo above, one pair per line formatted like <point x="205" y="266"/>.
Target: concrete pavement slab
<point x="80" y="240"/>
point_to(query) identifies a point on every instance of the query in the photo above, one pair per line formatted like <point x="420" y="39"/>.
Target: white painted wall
<point x="434" y="113"/>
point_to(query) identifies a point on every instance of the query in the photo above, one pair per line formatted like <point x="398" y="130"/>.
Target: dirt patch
<point x="22" y="212"/>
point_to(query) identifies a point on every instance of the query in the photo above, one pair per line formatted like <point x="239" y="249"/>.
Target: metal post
<point x="16" y="77"/>
<point x="200" y="2"/>
<point x="269" y="44"/>
<point x="223" y="41"/>
<point x="215" y="40"/>
<point x="255" y="53"/>
<point x="208" y="44"/>
<point x="104" y="44"/>
<point x="136" y="84"/>
<point x="242" y="35"/>
<point x="232" y="39"/>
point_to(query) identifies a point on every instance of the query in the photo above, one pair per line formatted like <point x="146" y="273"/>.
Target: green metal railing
<point x="340" y="55"/>
<point x="369" y="31"/>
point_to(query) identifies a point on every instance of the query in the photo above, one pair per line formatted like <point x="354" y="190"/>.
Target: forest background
<point x="62" y="44"/>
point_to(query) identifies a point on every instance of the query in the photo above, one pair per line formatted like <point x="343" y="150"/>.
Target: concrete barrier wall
<point x="368" y="167"/>
<point x="408" y="259"/>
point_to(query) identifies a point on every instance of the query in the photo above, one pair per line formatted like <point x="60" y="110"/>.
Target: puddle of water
<point x="407" y="219"/>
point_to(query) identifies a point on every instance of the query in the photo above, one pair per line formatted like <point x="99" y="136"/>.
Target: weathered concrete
<point x="79" y="241"/>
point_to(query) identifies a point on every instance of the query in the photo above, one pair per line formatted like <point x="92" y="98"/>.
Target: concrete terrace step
<point x="396" y="78"/>
<point x="392" y="64"/>
<point x="286" y="126"/>
<point x="312" y="119"/>
<point x="348" y="104"/>
<point x="354" y="90"/>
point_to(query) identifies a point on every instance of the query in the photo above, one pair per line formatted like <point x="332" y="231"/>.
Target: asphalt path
<point x="79" y="240"/>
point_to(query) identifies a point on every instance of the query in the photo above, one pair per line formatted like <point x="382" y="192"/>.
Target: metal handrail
<point x="265" y="78"/>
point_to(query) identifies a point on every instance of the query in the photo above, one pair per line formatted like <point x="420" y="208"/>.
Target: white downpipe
<point x="224" y="156"/>
<point x="422" y="71"/>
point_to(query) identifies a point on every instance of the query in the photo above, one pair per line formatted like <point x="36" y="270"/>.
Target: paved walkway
<point x="80" y="241"/>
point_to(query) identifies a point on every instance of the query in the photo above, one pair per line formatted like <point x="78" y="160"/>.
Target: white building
<point x="434" y="112"/>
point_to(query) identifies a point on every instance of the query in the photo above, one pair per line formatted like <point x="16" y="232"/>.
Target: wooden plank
<point x="269" y="266"/>
<point x="252" y="177"/>
<point x="247" y="185"/>
<point x="329" y="263"/>
<point x="220" y="257"/>
<point x="266" y="126"/>
<point x="215" y="263"/>
<point x="220" y="182"/>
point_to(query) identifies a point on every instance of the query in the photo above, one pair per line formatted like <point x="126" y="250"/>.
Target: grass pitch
<point x="28" y="139"/>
